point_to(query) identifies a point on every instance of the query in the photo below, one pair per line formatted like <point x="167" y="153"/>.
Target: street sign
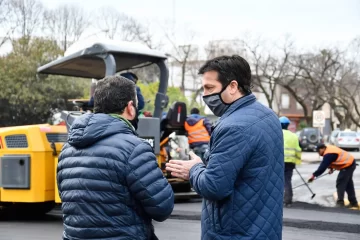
<point x="318" y="119"/>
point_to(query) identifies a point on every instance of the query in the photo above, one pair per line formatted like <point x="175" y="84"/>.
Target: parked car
<point x="309" y="138"/>
<point x="348" y="140"/>
<point x="333" y="136"/>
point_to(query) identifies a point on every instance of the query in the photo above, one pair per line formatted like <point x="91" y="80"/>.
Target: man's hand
<point x="331" y="171"/>
<point x="311" y="179"/>
<point x="181" y="168"/>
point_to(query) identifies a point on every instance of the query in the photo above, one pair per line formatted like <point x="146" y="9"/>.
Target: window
<point x="285" y="101"/>
<point x="347" y="134"/>
<point x="298" y="106"/>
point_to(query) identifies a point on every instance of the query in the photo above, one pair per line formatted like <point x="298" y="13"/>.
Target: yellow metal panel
<point x="57" y="196"/>
<point x="38" y="182"/>
<point x="42" y="165"/>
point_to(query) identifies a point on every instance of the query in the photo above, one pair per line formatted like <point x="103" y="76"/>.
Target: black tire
<point x="313" y="138"/>
<point x="33" y="209"/>
<point x="181" y="187"/>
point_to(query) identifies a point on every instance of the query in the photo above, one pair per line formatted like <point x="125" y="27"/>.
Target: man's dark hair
<point x="112" y="94"/>
<point x="195" y="111"/>
<point x="320" y="146"/>
<point x="230" y="68"/>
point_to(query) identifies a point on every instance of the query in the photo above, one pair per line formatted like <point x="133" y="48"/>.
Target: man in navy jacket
<point x="242" y="179"/>
<point x="108" y="178"/>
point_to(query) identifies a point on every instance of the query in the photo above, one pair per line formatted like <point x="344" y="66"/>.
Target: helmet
<point x="284" y="120"/>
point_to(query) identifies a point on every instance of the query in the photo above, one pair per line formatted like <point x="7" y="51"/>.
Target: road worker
<point x="292" y="156"/>
<point x="198" y="129"/>
<point x="335" y="158"/>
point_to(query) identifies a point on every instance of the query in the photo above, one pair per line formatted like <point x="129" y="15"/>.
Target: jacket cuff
<point x="193" y="168"/>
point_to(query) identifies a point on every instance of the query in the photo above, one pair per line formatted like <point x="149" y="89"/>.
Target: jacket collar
<point x="238" y="104"/>
<point x="121" y="118"/>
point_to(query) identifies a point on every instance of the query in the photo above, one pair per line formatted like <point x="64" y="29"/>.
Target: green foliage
<point x="25" y="96"/>
<point x="302" y="125"/>
<point x="149" y="91"/>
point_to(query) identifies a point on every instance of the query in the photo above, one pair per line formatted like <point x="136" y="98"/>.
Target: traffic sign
<point x="318" y="119"/>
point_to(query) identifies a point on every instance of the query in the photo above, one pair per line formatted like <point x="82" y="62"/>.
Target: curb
<point x="322" y="226"/>
<point x="315" y="225"/>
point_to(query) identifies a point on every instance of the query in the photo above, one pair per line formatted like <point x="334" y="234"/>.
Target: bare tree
<point x="267" y="69"/>
<point x="182" y="54"/>
<point x="66" y="24"/>
<point x="27" y="16"/>
<point x="5" y="21"/>
<point x="344" y="89"/>
<point x="121" y="26"/>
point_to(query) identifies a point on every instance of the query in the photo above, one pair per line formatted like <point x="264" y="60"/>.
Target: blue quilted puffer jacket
<point x="242" y="183"/>
<point x="109" y="182"/>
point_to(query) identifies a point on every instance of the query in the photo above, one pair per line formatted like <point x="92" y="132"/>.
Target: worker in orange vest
<point x="198" y="130"/>
<point x="335" y="158"/>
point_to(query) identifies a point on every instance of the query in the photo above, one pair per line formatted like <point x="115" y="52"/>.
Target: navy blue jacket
<point x="243" y="180"/>
<point x="109" y="182"/>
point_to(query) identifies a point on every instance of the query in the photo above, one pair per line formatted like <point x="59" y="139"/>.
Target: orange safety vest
<point x="197" y="133"/>
<point x="344" y="159"/>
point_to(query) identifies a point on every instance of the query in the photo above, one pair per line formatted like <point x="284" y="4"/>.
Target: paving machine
<point x="29" y="154"/>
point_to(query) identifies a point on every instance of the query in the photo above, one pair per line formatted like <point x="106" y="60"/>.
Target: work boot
<point x="340" y="204"/>
<point x="354" y="206"/>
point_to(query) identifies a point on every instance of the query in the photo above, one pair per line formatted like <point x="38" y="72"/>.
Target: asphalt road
<point x="51" y="228"/>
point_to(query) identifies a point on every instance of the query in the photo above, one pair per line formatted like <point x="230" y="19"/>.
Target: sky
<point x="311" y="23"/>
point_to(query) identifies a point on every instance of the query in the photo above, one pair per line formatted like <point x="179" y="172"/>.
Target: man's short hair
<point x="113" y="93"/>
<point x="230" y="68"/>
<point x="195" y="111"/>
<point x="320" y="146"/>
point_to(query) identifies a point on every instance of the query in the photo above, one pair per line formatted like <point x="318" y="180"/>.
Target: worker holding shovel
<point x="335" y="158"/>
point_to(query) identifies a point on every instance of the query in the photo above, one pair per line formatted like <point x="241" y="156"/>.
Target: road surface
<point x="51" y="228"/>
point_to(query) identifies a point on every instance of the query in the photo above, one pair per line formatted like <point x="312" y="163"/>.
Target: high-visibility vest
<point x="292" y="150"/>
<point x="344" y="159"/>
<point x="197" y="132"/>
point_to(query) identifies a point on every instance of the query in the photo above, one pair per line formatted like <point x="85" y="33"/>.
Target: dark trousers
<point x="344" y="182"/>
<point x="289" y="168"/>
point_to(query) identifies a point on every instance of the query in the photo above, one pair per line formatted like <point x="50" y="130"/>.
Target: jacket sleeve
<point x="228" y="154"/>
<point x="325" y="163"/>
<point x="140" y="97"/>
<point x="148" y="185"/>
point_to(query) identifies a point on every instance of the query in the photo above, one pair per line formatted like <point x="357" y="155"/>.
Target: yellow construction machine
<point x="29" y="154"/>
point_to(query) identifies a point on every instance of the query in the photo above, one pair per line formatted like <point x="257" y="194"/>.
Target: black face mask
<point x="215" y="102"/>
<point x="135" y="121"/>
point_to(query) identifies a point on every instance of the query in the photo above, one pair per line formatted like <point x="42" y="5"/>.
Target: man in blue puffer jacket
<point x="108" y="178"/>
<point x="242" y="180"/>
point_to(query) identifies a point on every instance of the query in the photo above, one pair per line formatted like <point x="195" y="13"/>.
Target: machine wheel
<point x="181" y="187"/>
<point x="33" y="209"/>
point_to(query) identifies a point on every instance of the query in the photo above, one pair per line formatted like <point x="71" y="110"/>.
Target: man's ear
<point x="234" y="87"/>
